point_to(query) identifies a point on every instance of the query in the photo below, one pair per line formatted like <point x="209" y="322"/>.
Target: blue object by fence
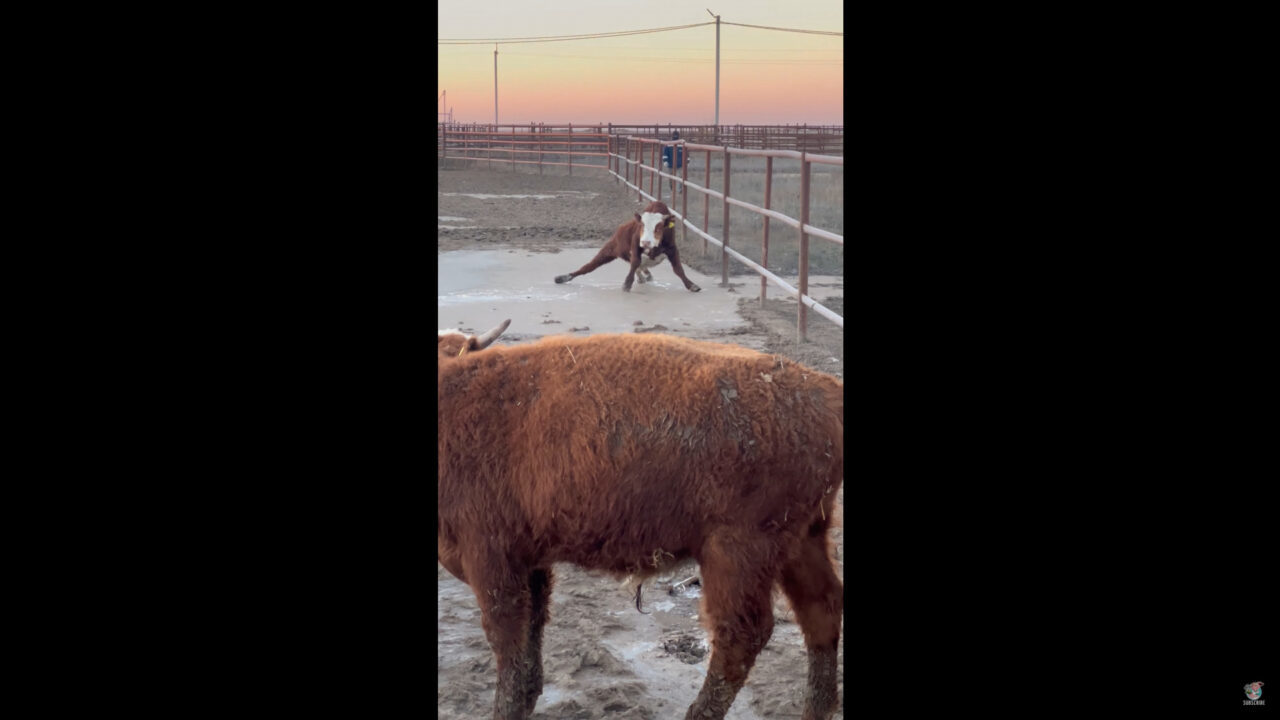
<point x="666" y="157"/>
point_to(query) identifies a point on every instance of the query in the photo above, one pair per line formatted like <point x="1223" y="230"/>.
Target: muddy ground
<point x="602" y="658"/>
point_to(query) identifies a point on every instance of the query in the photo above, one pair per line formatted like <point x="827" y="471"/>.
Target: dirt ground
<point x="602" y="658"/>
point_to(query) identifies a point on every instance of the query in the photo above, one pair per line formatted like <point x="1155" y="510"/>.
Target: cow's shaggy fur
<point x="642" y="241"/>
<point x="731" y="457"/>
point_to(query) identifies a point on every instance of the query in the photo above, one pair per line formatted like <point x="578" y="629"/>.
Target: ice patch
<point x="485" y="297"/>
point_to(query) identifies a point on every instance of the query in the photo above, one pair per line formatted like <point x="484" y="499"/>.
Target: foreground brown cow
<point x="731" y="457"/>
<point x="643" y="242"/>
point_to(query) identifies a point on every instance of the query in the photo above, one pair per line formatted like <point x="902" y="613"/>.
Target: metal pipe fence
<point x="621" y="149"/>
<point x="540" y="145"/>
<point x="820" y="139"/>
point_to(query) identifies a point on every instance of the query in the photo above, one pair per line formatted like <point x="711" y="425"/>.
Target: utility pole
<point x="495" y="85"/>
<point x="717" y="17"/>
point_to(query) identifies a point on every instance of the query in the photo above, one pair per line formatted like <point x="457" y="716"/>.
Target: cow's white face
<point x="651" y="235"/>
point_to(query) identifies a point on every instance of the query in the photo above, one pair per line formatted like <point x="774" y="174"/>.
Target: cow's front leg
<point x="631" y="273"/>
<point x="674" y="254"/>
<point x="634" y="258"/>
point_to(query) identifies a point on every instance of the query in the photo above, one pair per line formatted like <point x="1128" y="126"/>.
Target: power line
<point x="562" y="38"/>
<point x="794" y="30"/>
<point x="687" y="61"/>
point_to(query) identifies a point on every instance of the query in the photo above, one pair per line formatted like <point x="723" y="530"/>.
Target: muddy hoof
<point x="694" y="288"/>
<point x="626" y="288"/>
<point x="563" y="278"/>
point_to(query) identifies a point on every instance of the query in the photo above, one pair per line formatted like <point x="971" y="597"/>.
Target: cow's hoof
<point x="626" y="288"/>
<point x="694" y="288"/>
<point x="563" y="278"/>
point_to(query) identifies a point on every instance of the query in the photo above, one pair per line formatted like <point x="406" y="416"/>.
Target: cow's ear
<point x="638" y="217"/>
<point x="670" y="221"/>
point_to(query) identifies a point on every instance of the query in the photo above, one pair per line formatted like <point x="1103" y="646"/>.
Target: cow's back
<point x="576" y="437"/>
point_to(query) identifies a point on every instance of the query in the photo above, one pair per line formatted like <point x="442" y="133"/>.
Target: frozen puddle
<point x="671" y="680"/>
<point x="479" y="289"/>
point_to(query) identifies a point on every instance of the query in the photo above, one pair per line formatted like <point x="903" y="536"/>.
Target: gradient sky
<point x="766" y="76"/>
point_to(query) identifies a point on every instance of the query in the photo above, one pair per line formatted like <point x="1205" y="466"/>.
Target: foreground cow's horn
<point x="484" y="340"/>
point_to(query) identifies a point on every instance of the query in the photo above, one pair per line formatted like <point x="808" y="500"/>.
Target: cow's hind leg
<point x="738" y="571"/>
<point x="503" y="593"/>
<point x="601" y="258"/>
<point x="540" y="582"/>
<point x="817" y="597"/>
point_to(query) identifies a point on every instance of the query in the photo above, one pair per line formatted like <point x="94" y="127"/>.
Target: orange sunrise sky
<point x="766" y="76"/>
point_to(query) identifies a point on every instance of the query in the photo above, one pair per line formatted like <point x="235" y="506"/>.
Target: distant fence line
<point x="820" y="139"/>
<point x="622" y="155"/>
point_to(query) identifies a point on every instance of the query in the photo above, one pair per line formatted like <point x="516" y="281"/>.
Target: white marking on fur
<point x="648" y="262"/>
<point x="652" y="233"/>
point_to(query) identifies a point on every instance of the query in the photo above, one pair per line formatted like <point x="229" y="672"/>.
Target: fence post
<point x="657" y="170"/>
<point x="639" y="170"/>
<point x="802" y="318"/>
<point x="764" y="245"/>
<point x="684" y="198"/>
<point x="724" y="254"/>
<point x="653" y="163"/>
<point x="706" y="205"/>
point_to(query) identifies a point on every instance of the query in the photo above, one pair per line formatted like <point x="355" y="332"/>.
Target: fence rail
<point x="820" y="139"/>
<point x="632" y="173"/>
<point x="568" y="145"/>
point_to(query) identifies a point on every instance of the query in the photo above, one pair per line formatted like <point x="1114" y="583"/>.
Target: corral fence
<point x="627" y="164"/>
<point x="621" y="151"/>
<point x="533" y="144"/>
<point x="586" y="146"/>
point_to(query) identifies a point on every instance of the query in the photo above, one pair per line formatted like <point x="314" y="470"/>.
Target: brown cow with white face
<point x="643" y="241"/>
<point x="731" y="457"/>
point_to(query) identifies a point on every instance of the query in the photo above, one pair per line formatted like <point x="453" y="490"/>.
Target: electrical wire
<point x="794" y="30"/>
<point x="562" y="38"/>
<point x="656" y="58"/>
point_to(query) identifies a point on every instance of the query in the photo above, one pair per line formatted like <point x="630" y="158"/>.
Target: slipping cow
<point x="731" y="457"/>
<point x="642" y="241"/>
